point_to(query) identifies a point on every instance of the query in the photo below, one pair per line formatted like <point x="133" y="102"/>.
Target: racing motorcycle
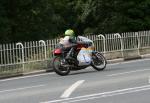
<point x="98" y="61"/>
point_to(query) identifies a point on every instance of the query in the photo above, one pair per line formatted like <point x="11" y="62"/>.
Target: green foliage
<point x="25" y="20"/>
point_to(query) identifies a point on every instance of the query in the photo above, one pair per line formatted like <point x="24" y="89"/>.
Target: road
<point x="126" y="82"/>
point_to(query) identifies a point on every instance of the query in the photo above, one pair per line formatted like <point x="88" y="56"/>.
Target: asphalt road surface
<point x="126" y="82"/>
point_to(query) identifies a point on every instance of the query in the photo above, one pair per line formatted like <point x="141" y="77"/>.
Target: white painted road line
<point x="133" y="61"/>
<point x="18" y="89"/>
<point x="116" y="74"/>
<point x="109" y="95"/>
<point x="101" y="95"/>
<point x="24" y="77"/>
<point x="68" y="92"/>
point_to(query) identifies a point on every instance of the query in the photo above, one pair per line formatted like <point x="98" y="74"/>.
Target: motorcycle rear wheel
<point x="99" y="61"/>
<point x="60" y="70"/>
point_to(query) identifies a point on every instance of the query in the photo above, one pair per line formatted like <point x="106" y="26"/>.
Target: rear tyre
<point x="60" y="70"/>
<point x="99" y="61"/>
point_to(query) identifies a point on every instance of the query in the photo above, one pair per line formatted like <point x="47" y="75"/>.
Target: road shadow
<point x="86" y="71"/>
<point x="91" y="70"/>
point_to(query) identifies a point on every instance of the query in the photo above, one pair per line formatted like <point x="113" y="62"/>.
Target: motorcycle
<point x="98" y="60"/>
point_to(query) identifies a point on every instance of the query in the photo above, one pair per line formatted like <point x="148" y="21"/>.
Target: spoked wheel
<point x="99" y="62"/>
<point x="60" y="70"/>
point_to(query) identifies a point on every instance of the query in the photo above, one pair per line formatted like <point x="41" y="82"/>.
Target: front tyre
<point x="99" y="61"/>
<point x="60" y="70"/>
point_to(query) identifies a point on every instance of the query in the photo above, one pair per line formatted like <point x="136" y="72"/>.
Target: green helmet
<point x="69" y="32"/>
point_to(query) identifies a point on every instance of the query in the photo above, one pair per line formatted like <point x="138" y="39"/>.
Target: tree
<point x="26" y="20"/>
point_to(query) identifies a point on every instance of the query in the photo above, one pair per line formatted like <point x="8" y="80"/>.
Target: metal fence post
<point x="104" y="39"/>
<point x="121" y="41"/>
<point x="138" y="42"/>
<point x="42" y="42"/>
<point x="22" y="49"/>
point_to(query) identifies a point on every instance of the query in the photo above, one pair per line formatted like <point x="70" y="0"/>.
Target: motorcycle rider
<point x="68" y="43"/>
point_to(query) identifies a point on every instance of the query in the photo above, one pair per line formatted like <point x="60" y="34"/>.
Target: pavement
<point x="121" y="82"/>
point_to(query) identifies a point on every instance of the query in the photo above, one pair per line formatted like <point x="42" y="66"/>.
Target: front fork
<point x="70" y="53"/>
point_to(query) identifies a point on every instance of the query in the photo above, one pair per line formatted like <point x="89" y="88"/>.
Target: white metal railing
<point x="19" y="55"/>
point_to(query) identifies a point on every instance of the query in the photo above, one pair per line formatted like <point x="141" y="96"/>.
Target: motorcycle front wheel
<point x="58" y="68"/>
<point x="99" y="62"/>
